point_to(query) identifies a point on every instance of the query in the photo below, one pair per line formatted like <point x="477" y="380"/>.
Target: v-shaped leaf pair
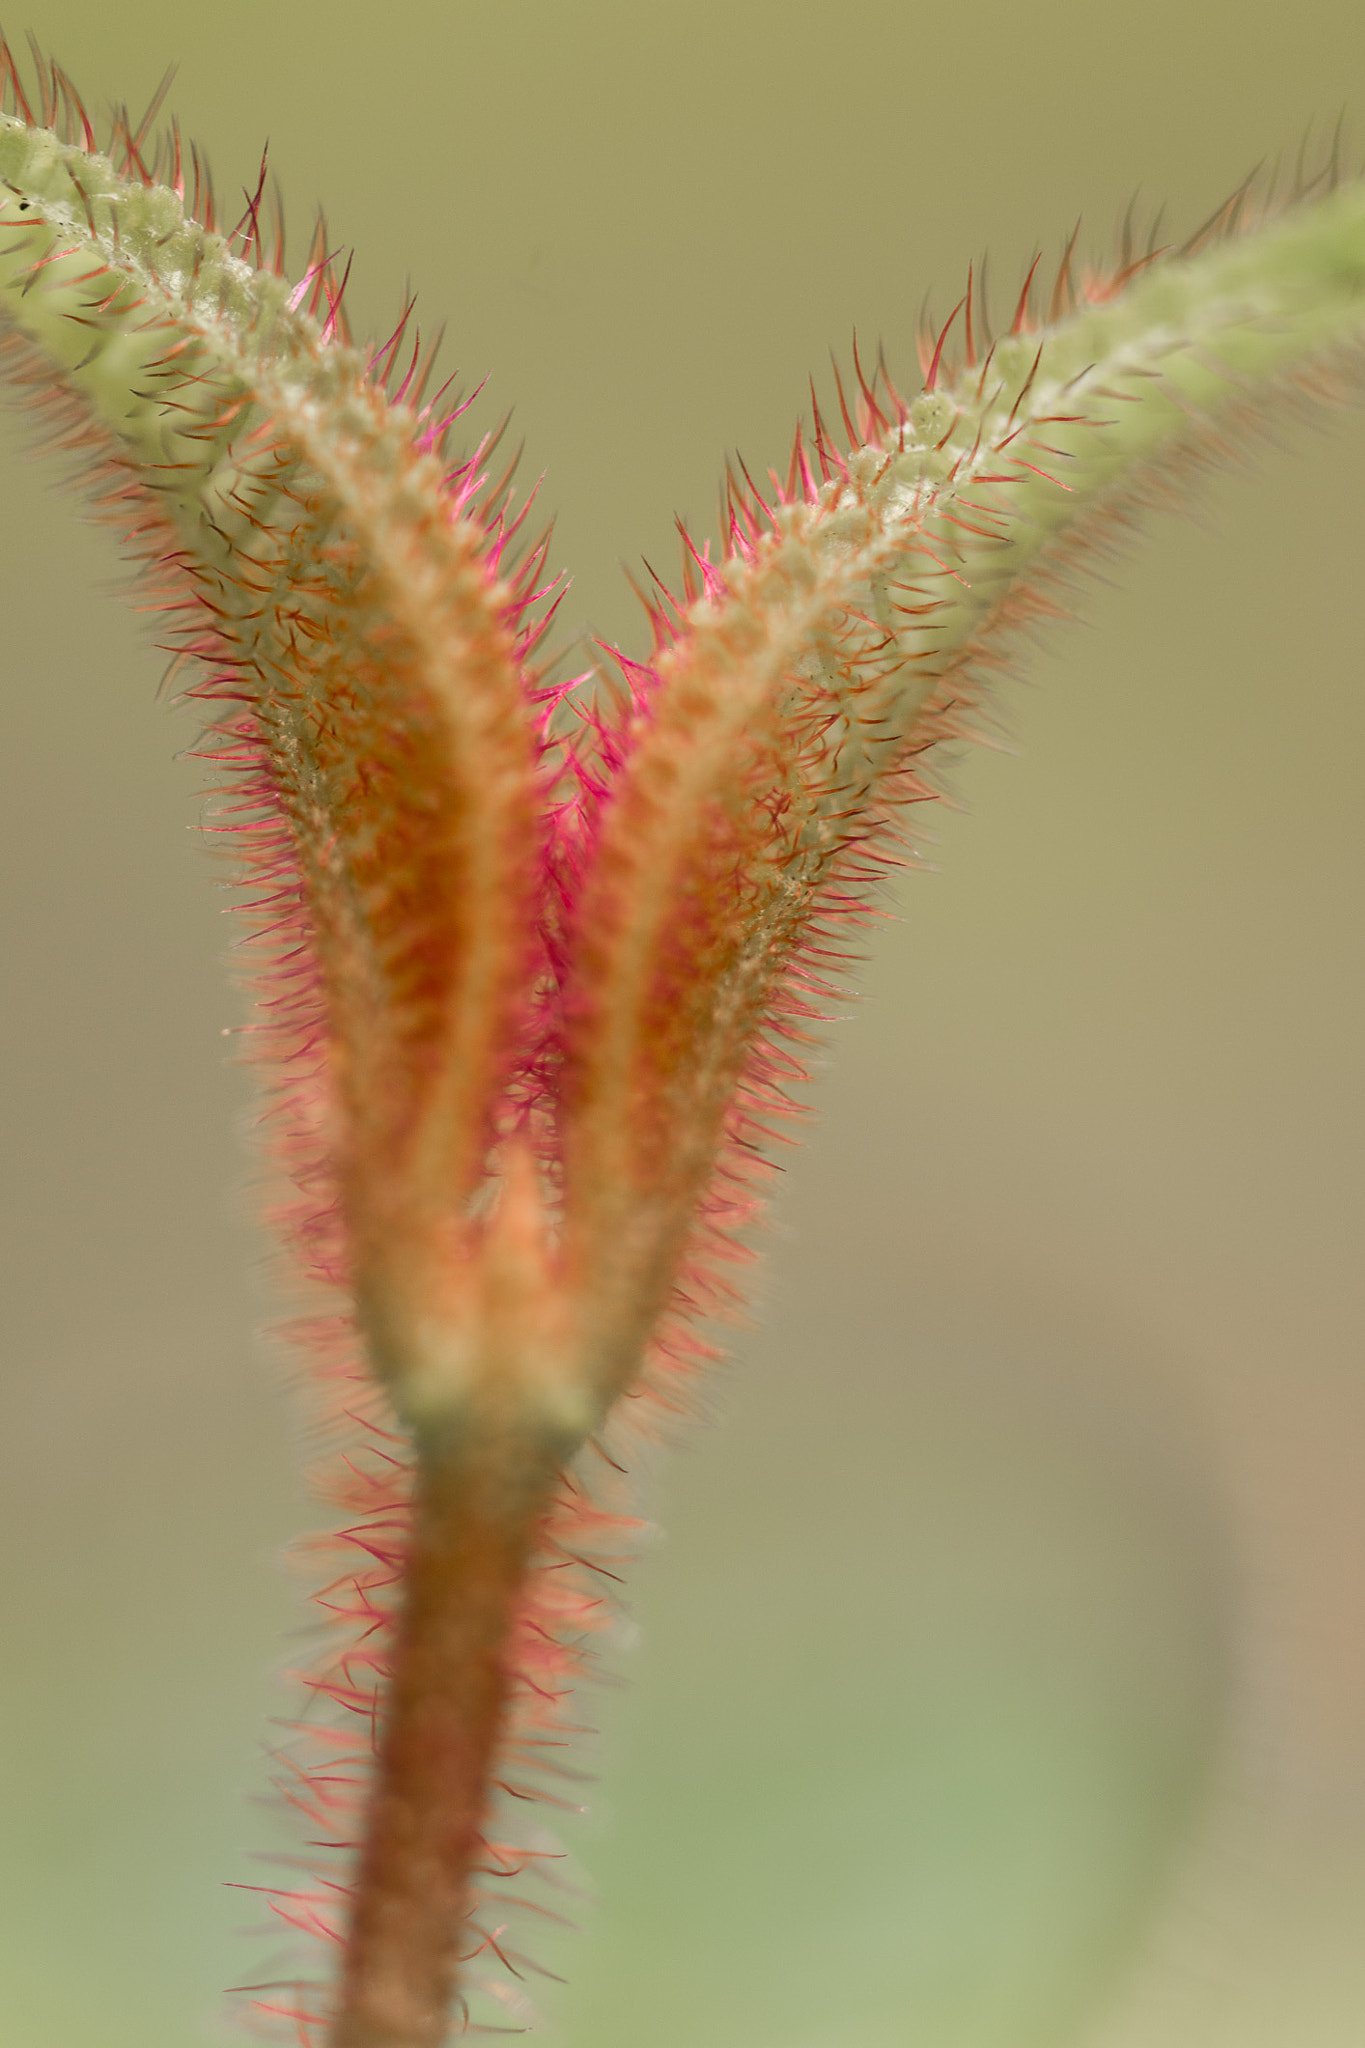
<point x="534" y="974"/>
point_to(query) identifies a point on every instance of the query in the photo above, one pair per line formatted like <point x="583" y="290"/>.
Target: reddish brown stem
<point x="474" y="1520"/>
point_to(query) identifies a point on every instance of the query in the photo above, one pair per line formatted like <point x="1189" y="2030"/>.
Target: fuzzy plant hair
<point x="536" y="965"/>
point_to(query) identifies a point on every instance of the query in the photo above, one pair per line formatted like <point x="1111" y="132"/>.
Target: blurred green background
<point x="1002" y="1679"/>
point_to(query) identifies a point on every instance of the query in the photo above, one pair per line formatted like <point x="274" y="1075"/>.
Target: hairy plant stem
<point x="366" y="641"/>
<point x="477" y="1503"/>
